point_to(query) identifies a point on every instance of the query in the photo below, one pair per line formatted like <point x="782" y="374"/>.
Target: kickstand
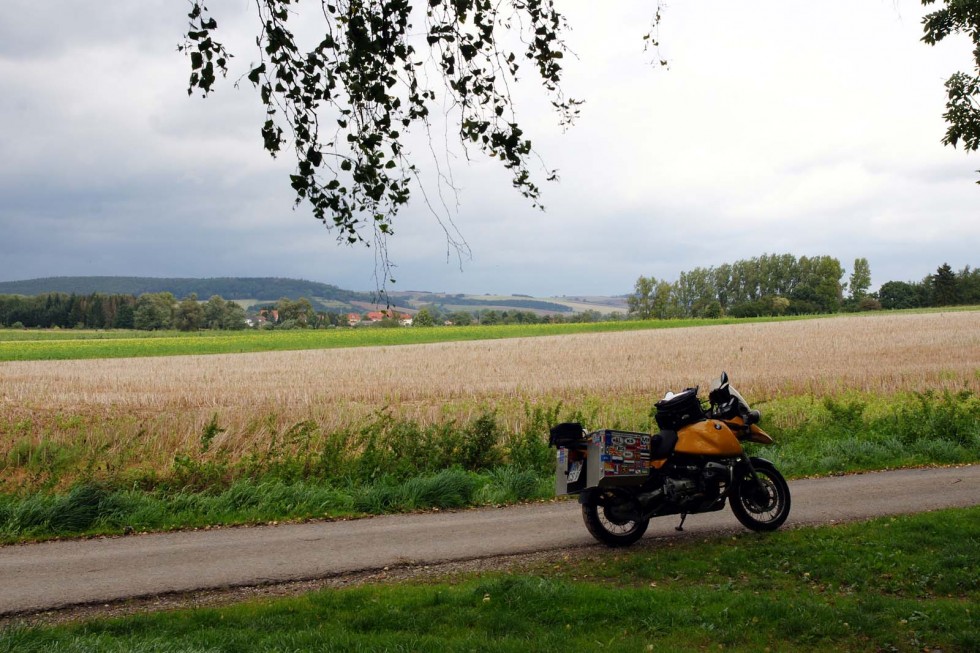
<point x="680" y="526"/>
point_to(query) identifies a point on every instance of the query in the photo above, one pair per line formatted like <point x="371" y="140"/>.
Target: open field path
<point x="59" y="575"/>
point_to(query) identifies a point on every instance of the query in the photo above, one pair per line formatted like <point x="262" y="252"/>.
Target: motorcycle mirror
<point x="721" y="382"/>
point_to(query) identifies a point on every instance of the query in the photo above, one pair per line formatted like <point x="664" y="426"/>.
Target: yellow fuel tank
<point x="708" y="438"/>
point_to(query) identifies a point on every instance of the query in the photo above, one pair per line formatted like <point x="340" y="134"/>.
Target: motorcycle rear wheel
<point x="607" y="517"/>
<point x="761" y="508"/>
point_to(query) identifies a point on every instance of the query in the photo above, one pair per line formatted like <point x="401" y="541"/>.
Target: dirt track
<point x="143" y="570"/>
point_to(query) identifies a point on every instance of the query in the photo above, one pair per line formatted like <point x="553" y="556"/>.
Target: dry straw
<point x="164" y="402"/>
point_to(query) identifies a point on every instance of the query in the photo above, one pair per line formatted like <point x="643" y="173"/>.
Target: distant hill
<point x="463" y="302"/>
<point x="250" y="291"/>
<point x="257" y="288"/>
<point x="416" y="299"/>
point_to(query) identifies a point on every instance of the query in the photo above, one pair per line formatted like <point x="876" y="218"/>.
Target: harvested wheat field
<point x="159" y="405"/>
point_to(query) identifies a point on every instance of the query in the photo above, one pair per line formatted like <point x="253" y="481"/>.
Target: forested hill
<point x="262" y="288"/>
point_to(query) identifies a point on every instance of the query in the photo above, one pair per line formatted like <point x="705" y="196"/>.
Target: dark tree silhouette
<point x="962" y="89"/>
<point x="345" y="105"/>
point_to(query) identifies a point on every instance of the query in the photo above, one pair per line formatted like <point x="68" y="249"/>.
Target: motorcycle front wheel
<point x="762" y="505"/>
<point x="610" y="518"/>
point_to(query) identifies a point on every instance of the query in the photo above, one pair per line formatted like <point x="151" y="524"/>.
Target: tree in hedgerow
<point x="944" y="286"/>
<point x="641" y="302"/>
<point x="860" y="279"/>
<point x="154" y="311"/>
<point x="233" y="317"/>
<point x="902" y="294"/>
<point x="214" y="310"/>
<point x="124" y="317"/>
<point x="968" y="285"/>
<point x="461" y="318"/>
<point x="190" y="314"/>
<point x="423" y="318"/>
<point x="712" y="310"/>
<point x="300" y="312"/>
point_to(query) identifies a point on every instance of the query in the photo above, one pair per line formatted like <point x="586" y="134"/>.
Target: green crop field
<point x="16" y="345"/>
<point x="61" y="344"/>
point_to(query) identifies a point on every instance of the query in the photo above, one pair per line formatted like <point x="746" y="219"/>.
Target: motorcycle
<point x="693" y="465"/>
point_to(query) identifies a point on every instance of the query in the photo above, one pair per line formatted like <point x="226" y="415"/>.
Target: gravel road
<point x="65" y="575"/>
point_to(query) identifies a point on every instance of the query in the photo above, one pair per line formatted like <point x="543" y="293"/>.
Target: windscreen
<point x="743" y="405"/>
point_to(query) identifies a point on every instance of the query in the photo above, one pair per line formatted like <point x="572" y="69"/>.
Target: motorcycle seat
<point x="662" y="444"/>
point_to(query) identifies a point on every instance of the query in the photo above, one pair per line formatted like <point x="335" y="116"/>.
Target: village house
<point x="270" y="314"/>
<point x="256" y="322"/>
<point x="376" y="316"/>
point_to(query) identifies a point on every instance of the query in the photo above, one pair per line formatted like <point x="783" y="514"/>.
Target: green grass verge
<point x="96" y="509"/>
<point x="860" y="433"/>
<point x="894" y="584"/>
<point x="68" y="344"/>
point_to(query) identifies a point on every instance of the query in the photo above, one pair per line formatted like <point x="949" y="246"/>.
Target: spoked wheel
<point x="610" y="517"/>
<point x="762" y="505"/>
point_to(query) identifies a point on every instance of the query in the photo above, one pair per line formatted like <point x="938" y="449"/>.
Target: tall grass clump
<point x="41" y="463"/>
<point x="388" y="464"/>
<point x="527" y="448"/>
<point x="850" y="434"/>
<point x="452" y="488"/>
<point x="85" y="507"/>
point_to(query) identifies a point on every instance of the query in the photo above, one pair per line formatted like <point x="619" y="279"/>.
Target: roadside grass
<point x="95" y="509"/>
<point x="856" y="432"/>
<point x="906" y="583"/>
<point x="69" y="344"/>
<point x="390" y="464"/>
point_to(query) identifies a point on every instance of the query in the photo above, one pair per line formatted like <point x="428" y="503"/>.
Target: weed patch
<point x="842" y="435"/>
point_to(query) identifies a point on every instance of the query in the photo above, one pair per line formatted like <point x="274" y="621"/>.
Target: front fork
<point x="746" y="463"/>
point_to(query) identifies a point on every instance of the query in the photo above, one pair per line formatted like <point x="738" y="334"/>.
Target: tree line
<point x="432" y="315"/>
<point x="148" y="312"/>
<point x="260" y="288"/>
<point x="944" y="288"/>
<point x="162" y="311"/>
<point x="782" y="284"/>
<point x="763" y="286"/>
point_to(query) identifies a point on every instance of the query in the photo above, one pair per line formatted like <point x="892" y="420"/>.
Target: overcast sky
<point x="779" y="127"/>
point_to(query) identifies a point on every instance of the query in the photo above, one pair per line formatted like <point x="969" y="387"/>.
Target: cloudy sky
<point x="779" y="127"/>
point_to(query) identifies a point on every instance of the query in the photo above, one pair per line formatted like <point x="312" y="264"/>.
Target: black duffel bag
<point x="566" y="434"/>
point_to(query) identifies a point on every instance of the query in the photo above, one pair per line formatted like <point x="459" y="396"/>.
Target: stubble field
<point x="144" y="411"/>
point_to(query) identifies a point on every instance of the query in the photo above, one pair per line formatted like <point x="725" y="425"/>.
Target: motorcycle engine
<point x="699" y="484"/>
<point x="680" y="490"/>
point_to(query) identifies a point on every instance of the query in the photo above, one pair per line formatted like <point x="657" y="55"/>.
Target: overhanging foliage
<point x="345" y="105"/>
<point x="962" y="89"/>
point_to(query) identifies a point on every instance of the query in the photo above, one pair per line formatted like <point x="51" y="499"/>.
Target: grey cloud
<point x="107" y="167"/>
